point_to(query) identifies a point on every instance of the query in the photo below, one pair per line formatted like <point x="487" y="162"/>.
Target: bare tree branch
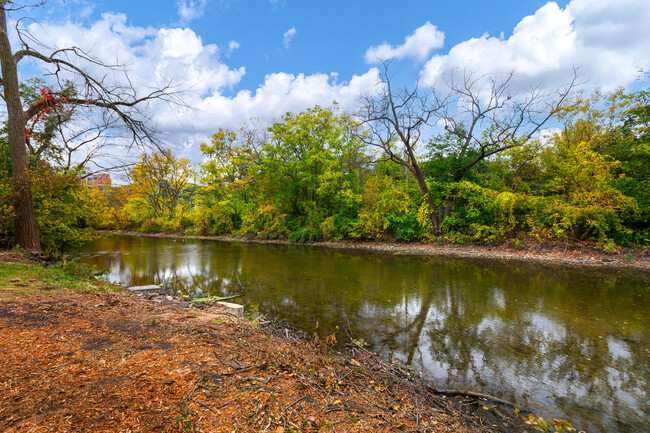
<point x="116" y="105"/>
<point x="486" y="114"/>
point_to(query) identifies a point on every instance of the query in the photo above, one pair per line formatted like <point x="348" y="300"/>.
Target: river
<point x="563" y="342"/>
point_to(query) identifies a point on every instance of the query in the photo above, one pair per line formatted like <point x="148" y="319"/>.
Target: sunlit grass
<point x="24" y="279"/>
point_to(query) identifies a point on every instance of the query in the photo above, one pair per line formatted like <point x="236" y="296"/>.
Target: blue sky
<point x="330" y="36"/>
<point x="244" y="59"/>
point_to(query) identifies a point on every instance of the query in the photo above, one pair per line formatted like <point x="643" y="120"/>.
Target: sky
<point x="259" y="59"/>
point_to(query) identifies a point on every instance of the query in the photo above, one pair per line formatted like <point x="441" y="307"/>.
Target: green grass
<point x="209" y="300"/>
<point x="19" y="278"/>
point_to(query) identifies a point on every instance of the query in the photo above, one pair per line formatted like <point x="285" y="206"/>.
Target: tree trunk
<point x="25" y="218"/>
<point x="419" y="177"/>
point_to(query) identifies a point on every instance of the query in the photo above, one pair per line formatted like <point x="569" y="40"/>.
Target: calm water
<point x="565" y="343"/>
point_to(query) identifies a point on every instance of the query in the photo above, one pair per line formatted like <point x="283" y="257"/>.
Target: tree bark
<point x="26" y="228"/>
<point x="436" y="220"/>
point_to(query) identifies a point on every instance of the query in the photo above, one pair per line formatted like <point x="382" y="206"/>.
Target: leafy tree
<point x="585" y="167"/>
<point x="446" y="155"/>
<point x="228" y="173"/>
<point x="157" y="184"/>
<point x="389" y="209"/>
<point x="630" y="144"/>
<point x="64" y="208"/>
<point x="116" y="105"/>
<point x="311" y="170"/>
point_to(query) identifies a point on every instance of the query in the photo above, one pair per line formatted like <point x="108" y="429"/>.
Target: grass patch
<point x="22" y="279"/>
<point x="209" y="300"/>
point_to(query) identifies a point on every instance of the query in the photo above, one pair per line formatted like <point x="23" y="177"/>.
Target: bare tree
<point x="489" y="115"/>
<point x="394" y="120"/>
<point x="486" y="114"/>
<point x="119" y="107"/>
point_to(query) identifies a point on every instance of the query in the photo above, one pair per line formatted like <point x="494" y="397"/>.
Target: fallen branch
<point x="462" y="393"/>
<point x="196" y="384"/>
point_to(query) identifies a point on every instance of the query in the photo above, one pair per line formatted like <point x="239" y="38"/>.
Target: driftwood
<point x="463" y="393"/>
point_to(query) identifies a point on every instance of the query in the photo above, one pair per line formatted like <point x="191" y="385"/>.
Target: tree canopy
<point x="312" y="176"/>
<point x="37" y="118"/>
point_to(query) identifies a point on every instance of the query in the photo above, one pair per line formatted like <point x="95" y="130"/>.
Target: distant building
<point x="189" y="194"/>
<point x="98" y="180"/>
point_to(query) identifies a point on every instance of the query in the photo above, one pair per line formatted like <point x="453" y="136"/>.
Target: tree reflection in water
<point x="565" y="343"/>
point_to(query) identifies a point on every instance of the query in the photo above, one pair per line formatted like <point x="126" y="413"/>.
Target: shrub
<point x="266" y="222"/>
<point x="387" y="210"/>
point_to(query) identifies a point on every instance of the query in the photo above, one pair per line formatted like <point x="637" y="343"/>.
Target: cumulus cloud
<point x="233" y="45"/>
<point x="281" y="93"/>
<point x="417" y="46"/>
<point x="287" y="36"/>
<point x="606" y="40"/>
<point x="153" y="56"/>
<point x="189" y="10"/>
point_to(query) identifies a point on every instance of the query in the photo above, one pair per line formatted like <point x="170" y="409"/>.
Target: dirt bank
<point x="582" y="256"/>
<point x="91" y="359"/>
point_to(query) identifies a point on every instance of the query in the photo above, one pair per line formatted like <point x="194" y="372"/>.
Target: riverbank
<point x="581" y="256"/>
<point x="80" y="356"/>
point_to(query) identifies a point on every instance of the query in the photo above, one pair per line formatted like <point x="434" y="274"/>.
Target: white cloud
<point x="417" y="45"/>
<point x="287" y="36"/>
<point x="280" y="93"/>
<point x="607" y="40"/>
<point x="154" y="56"/>
<point x="189" y="10"/>
<point x="181" y="44"/>
<point x="151" y="56"/>
<point x="233" y="45"/>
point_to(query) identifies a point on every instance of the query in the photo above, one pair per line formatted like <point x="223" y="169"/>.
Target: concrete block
<point x="234" y="309"/>
<point x="145" y="289"/>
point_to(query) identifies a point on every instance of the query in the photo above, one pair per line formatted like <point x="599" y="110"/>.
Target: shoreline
<point x="153" y="362"/>
<point x="577" y="257"/>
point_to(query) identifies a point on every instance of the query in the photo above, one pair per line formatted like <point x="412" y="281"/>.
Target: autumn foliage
<point x="309" y="177"/>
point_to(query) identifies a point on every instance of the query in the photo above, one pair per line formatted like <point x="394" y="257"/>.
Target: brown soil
<point x="13" y="257"/>
<point x="581" y="255"/>
<point x="98" y="362"/>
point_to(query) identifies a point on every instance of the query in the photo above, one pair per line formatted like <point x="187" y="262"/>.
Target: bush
<point x="387" y="210"/>
<point x="480" y="214"/>
<point x="75" y="268"/>
<point x="265" y="222"/>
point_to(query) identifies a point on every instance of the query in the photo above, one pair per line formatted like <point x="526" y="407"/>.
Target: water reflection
<point x="564" y="343"/>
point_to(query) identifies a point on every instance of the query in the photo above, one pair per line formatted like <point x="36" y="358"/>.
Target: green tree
<point x="228" y="175"/>
<point x="119" y="105"/>
<point x="312" y="171"/>
<point x="629" y="144"/>
<point x="157" y="185"/>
